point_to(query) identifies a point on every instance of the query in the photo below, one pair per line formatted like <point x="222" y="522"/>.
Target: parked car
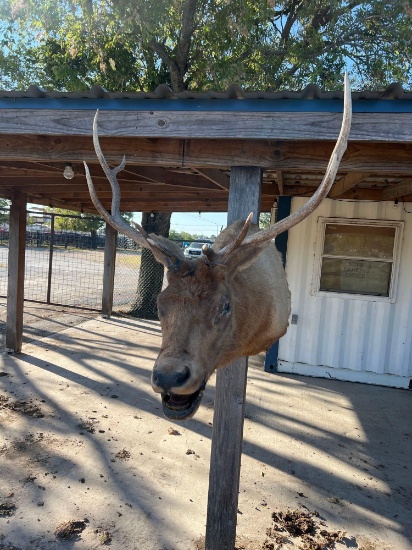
<point x="194" y="250"/>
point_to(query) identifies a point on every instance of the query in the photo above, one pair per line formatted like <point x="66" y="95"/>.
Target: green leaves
<point x="128" y="45"/>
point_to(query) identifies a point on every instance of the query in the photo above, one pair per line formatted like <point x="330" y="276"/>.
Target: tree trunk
<point x="93" y="239"/>
<point x="151" y="272"/>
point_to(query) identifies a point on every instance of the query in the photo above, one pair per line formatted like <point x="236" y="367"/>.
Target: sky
<point x="205" y="224"/>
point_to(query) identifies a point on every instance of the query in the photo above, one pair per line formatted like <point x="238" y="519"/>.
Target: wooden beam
<point x="347" y="182"/>
<point x="279" y="179"/>
<point x="192" y="180"/>
<point x="128" y="193"/>
<point x="354" y="193"/>
<point x="399" y="190"/>
<point x="108" y="270"/>
<point x="227" y="437"/>
<point x="52" y="180"/>
<point x="216" y="176"/>
<point x="131" y="202"/>
<point x="372" y="127"/>
<point x="16" y="264"/>
<point x="17" y="165"/>
<point x="101" y="184"/>
<point x="22" y="173"/>
<point x="377" y="158"/>
<point x="56" y="189"/>
<point x="131" y="206"/>
<point x="150" y="173"/>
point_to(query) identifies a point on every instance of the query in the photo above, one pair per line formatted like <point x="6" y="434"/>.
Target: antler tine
<point x="155" y="245"/>
<point x="220" y="256"/>
<point x="161" y="252"/>
<point x="114" y="219"/>
<point x="141" y="230"/>
<point x="326" y="183"/>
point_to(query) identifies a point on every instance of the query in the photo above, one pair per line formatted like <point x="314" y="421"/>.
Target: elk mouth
<point x="182" y="407"/>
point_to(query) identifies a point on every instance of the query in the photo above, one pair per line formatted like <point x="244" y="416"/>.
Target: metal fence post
<point x="49" y="276"/>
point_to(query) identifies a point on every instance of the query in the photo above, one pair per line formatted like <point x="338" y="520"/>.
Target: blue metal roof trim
<point x="217" y="105"/>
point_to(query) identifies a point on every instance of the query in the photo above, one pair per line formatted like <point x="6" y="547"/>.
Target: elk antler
<point x="214" y="258"/>
<point x="159" y="247"/>
<point x="283" y="225"/>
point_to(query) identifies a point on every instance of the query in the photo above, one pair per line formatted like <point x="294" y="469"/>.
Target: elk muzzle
<point x="169" y="380"/>
<point x="180" y="388"/>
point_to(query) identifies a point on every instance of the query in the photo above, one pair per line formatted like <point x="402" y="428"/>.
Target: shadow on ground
<point x="101" y="453"/>
<point x="41" y="320"/>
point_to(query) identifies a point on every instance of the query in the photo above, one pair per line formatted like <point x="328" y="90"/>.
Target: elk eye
<point x="226" y="308"/>
<point x="223" y="310"/>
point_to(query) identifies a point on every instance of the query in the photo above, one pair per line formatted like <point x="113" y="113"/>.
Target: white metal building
<point x="349" y="267"/>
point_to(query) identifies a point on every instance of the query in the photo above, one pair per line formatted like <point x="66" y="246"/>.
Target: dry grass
<point x="131" y="259"/>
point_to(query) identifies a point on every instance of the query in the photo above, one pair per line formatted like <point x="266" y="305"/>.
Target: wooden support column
<point x="16" y="262"/>
<point x="227" y="439"/>
<point x="109" y="269"/>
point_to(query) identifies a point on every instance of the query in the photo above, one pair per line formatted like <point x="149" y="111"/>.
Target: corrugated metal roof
<point x="312" y="91"/>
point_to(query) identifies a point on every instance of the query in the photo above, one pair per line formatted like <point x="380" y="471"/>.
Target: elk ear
<point x="244" y="256"/>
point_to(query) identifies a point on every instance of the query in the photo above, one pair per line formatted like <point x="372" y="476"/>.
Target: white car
<point x="194" y="250"/>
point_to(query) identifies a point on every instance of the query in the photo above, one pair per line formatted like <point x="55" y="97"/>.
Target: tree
<point x="151" y="277"/>
<point x="199" y="44"/>
<point x="128" y="45"/>
<point x="181" y="236"/>
<point x="70" y="220"/>
<point x="264" y="220"/>
<point x="4" y="211"/>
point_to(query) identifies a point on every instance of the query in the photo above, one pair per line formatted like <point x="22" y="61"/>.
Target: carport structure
<point x="232" y="151"/>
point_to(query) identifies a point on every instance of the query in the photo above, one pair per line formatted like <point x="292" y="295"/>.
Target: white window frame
<point x="320" y="238"/>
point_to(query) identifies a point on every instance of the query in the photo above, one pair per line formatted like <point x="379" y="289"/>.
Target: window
<point x="358" y="257"/>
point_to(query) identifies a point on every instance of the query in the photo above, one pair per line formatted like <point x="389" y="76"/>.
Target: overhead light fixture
<point x="68" y="172"/>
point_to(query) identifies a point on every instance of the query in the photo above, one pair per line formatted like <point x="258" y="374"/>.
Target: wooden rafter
<point x="219" y="178"/>
<point x="279" y="179"/>
<point x="402" y="189"/>
<point x="347" y="182"/>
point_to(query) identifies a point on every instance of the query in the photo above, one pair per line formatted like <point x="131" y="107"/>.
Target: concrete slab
<point x="103" y="454"/>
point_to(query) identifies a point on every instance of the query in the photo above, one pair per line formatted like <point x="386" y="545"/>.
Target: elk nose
<point x="168" y="380"/>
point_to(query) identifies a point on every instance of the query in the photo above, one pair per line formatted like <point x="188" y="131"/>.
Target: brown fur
<point x="196" y="332"/>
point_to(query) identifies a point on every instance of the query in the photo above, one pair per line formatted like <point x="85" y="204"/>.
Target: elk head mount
<point x="233" y="301"/>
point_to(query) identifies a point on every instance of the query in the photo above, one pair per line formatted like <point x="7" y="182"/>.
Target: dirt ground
<point x="41" y="320"/>
<point x="87" y="460"/>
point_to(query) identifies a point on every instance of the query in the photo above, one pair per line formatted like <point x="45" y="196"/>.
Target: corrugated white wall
<point x="353" y="339"/>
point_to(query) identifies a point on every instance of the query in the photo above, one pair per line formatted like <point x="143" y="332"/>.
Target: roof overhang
<point x="179" y="151"/>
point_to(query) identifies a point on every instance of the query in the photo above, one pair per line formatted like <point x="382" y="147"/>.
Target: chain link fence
<point x="65" y="266"/>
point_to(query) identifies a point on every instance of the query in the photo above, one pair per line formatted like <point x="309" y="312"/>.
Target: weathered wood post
<point x="227" y="438"/>
<point x="16" y="263"/>
<point x="108" y="270"/>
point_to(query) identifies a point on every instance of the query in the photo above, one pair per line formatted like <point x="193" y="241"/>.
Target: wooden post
<point x="227" y="438"/>
<point x="109" y="268"/>
<point x="16" y="262"/>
